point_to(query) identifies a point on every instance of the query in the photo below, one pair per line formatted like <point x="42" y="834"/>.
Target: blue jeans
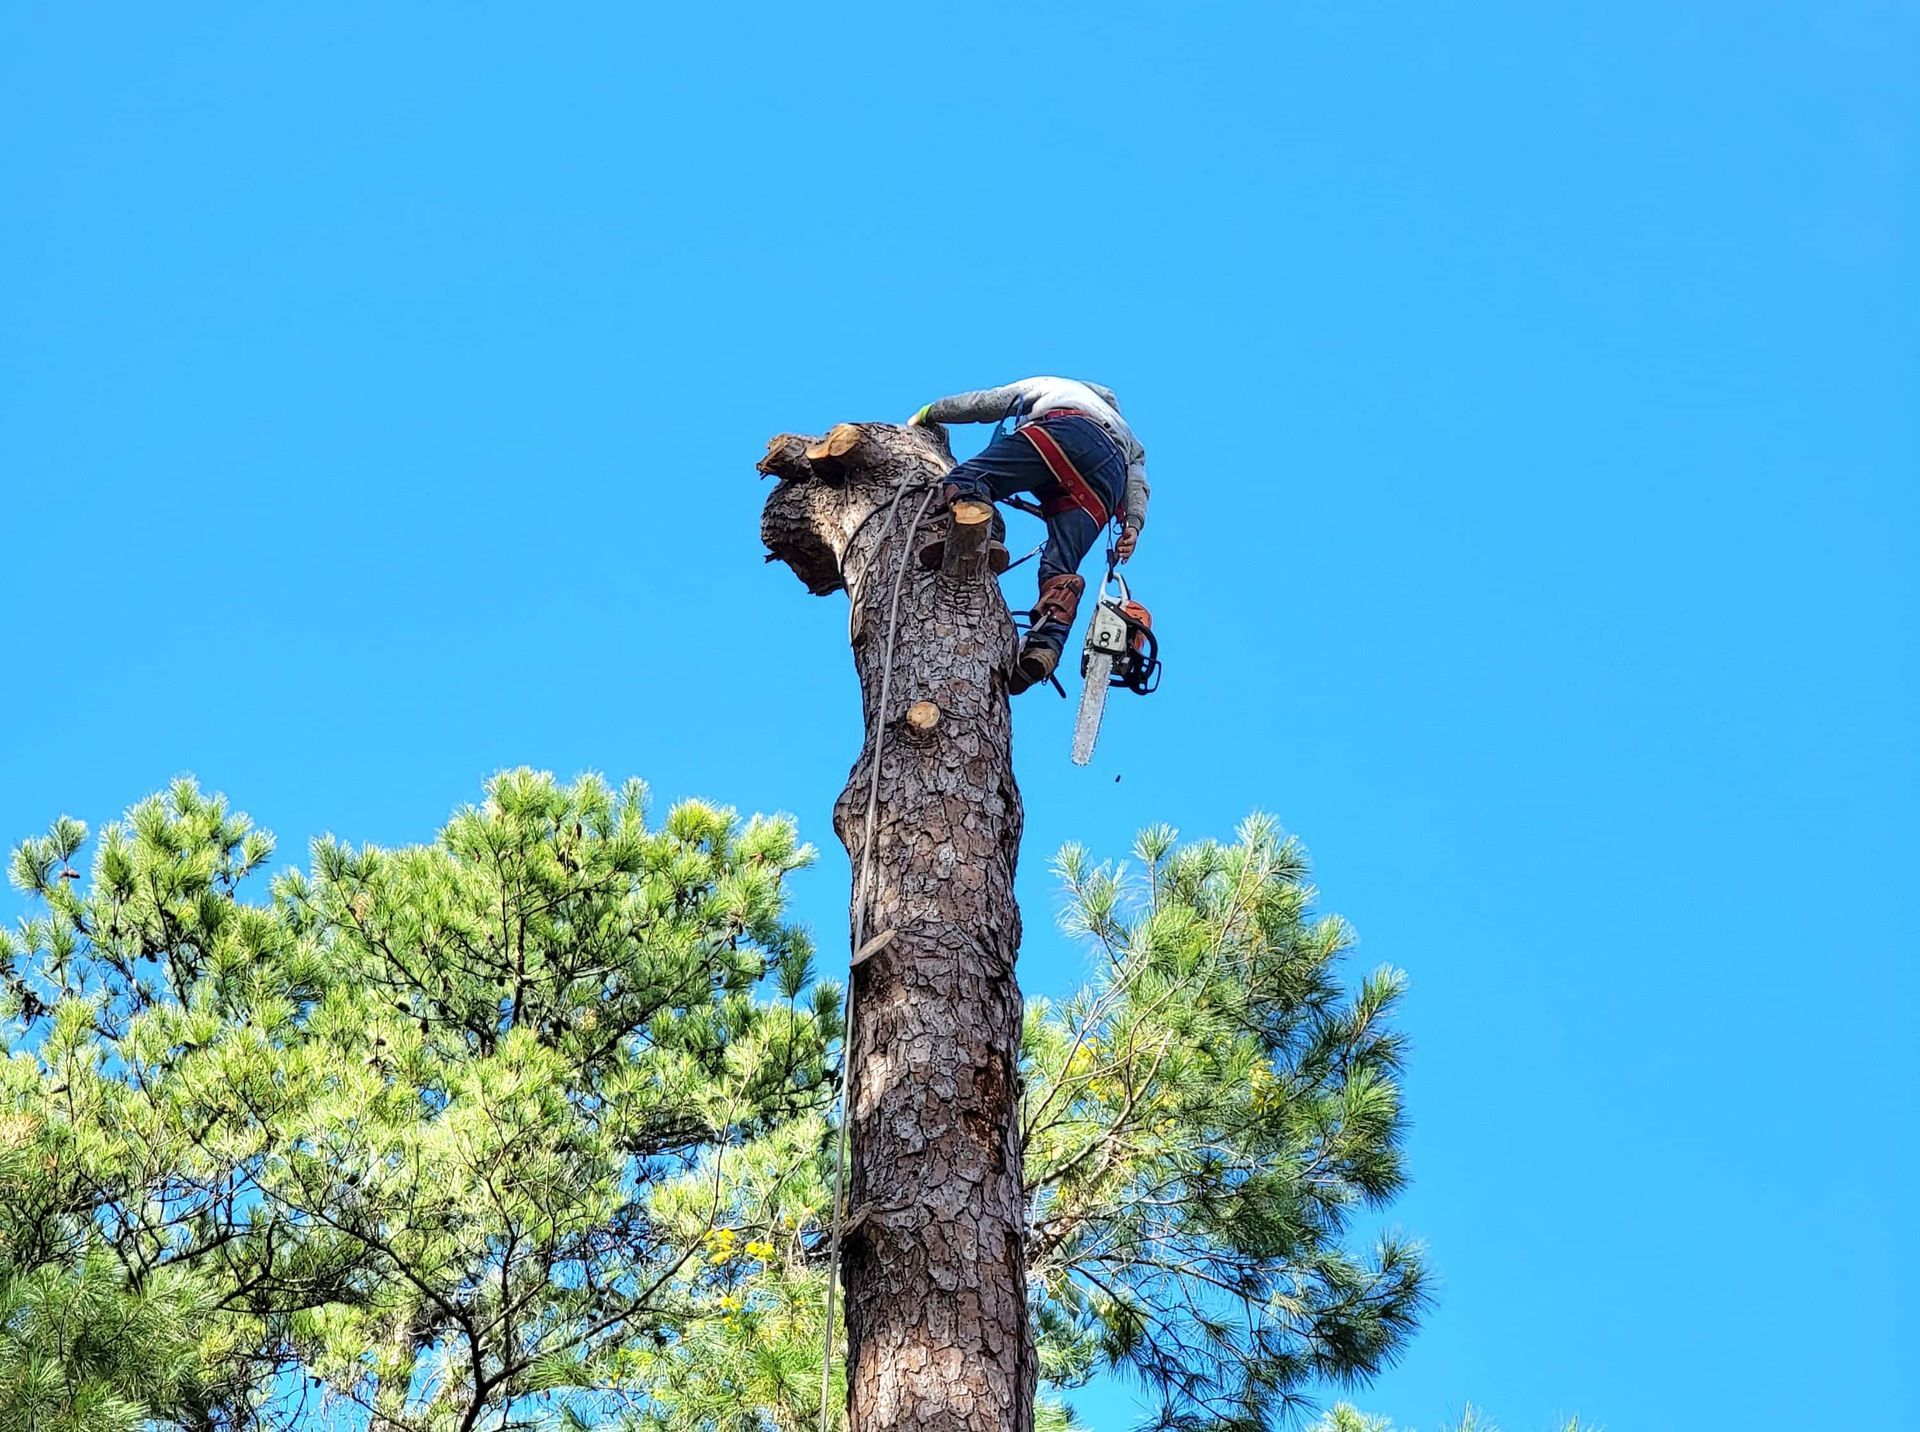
<point x="1010" y="464"/>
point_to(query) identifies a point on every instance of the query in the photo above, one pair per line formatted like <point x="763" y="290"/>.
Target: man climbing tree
<point x="1072" y="450"/>
<point x="1174" y="1199"/>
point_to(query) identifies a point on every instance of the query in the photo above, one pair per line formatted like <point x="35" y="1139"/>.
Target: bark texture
<point x="933" y="1261"/>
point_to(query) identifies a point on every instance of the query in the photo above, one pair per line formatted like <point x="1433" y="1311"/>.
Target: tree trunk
<point x="933" y="1256"/>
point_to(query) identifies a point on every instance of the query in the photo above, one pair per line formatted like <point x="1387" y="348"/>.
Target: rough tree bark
<point x="933" y="1257"/>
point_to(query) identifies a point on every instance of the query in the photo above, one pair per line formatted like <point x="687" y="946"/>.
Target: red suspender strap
<point x="1064" y="473"/>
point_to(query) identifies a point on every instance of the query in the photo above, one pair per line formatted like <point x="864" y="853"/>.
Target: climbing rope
<point x="876" y="738"/>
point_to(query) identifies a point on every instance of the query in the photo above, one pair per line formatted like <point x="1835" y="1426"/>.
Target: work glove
<point x="1129" y="539"/>
<point x="920" y="419"/>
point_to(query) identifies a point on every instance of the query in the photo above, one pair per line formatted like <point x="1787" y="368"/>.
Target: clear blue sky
<point x="1530" y="393"/>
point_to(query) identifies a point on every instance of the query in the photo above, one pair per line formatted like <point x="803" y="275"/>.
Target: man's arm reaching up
<point x="984" y="405"/>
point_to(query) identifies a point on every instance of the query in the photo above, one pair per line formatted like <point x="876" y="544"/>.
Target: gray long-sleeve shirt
<point x="1032" y="397"/>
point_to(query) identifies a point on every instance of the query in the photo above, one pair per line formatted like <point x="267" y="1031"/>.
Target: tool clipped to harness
<point x="1121" y="650"/>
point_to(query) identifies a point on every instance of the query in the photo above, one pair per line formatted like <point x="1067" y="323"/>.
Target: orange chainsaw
<point x="1121" y="650"/>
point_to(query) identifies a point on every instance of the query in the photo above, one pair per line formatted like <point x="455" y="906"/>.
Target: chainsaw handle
<point x="1143" y="679"/>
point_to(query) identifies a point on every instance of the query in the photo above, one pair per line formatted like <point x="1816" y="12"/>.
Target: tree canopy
<point x="530" y="1126"/>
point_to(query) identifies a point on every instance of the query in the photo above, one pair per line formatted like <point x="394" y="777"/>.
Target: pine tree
<point x="423" y="1118"/>
<point x="533" y="1121"/>
<point x="1202" y="1125"/>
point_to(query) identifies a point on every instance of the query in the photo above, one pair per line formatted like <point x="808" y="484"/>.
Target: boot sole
<point x="1027" y="675"/>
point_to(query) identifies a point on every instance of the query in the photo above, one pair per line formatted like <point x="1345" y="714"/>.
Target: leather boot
<point x="1059" y="601"/>
<point x="1035" y="664"/>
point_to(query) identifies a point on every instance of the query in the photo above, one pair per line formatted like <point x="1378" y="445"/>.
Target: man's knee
<point x="967" y="480"/>
<point x="1071" y="535"/>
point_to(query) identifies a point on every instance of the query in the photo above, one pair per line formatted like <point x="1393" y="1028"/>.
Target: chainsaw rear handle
<point x="1142" y="676"/>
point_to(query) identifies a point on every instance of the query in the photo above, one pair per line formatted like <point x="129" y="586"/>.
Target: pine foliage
<point x="1204" y="1124"/>
<point x="529" y="1126"/>
<point x="423" y="1118"/>
<point x="83" y="1351"/>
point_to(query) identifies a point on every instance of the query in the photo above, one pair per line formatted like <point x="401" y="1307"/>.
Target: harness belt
<point x="1078" y="492"/>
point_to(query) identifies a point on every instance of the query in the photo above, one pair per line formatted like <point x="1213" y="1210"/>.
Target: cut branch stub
<point x="969" y="532"/>
<point x="836" y="450"/>
<point x="805" y="459"/>
<point x="787" y="457"/>
<point x="922" y="717"/>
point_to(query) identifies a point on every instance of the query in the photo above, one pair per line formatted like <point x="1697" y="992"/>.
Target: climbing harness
<point x="1075" y="490"/>
<point x="876" y="738"/>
